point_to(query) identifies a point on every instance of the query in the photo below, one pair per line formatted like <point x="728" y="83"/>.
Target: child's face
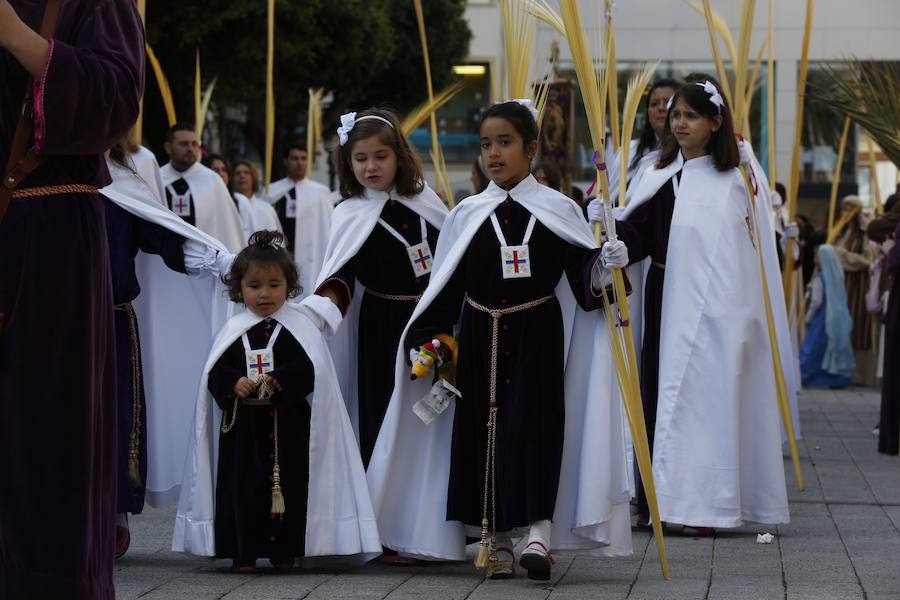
<point x="374" y="164"/>
<point x="504" y="152"/>
<point x="264" y="289"/>
<point x="692" y="130"/>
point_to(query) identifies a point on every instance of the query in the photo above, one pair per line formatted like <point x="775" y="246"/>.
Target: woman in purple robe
<point x="57" y="361"/>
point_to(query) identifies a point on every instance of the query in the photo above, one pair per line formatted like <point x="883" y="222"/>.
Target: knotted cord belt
<point x="54" y="190"/>
<point x="134" y="439"/>
<point x="394" y="297"/>
<point x="490" y="472"/>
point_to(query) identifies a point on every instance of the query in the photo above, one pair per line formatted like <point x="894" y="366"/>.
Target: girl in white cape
<point x="707" y="379"/>
<point x="532" y="364"/>
<point x="286" y="480"/>
<point x="378" y="260"/>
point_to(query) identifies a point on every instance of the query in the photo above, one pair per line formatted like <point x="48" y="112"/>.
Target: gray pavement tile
<point x="893" y="513"/>
<point x="831" y="591"/>
<point x="278" y="587"/>
<point x="681" y="588"/>
<point x="831" y="551"/>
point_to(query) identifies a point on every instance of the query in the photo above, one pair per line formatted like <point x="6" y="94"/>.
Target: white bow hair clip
<point x="349" y="121"/>
<point x="527" y="103"/>
<point x="714" y="96"/>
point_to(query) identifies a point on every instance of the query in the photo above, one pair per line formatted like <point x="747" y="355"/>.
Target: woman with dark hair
<point x="220" y="165"/>
<point x="706" y="364"/>
<point x="642" y="153"/>
<point x="245" y="187"/>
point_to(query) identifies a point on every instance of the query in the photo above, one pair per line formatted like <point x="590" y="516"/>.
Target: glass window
<point x="458" y="119"/>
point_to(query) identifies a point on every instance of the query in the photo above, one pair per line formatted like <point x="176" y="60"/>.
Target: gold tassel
<point x="134" y="470"/>
<point x="481" y="561"/>
<point x="277" y="497"/>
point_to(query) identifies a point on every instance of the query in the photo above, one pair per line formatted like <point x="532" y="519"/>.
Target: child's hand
<point x="272" y="382"/>
<point x="244" y="388"/>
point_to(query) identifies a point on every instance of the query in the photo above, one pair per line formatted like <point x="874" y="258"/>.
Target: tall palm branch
<point x="869" y="93"/>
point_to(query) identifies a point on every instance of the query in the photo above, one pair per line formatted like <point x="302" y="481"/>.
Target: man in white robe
<point x="304" y="208"/>
<point x="197" y="194"/>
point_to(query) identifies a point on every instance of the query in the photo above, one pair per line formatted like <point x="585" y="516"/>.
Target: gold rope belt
<point x="394" y="297"/>
<point x="55" y="190"/>
<point x="134" y="440"/>
<point x="490" y="472"/>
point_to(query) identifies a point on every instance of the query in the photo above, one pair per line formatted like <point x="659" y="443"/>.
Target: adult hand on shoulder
<point x="614" y="255"/>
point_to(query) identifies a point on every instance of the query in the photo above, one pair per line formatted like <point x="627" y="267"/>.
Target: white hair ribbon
<point x="669" y="102"/>
<point x="714" y="96"/>
<point x="527" y="103"/>
<point x="349" y="121"/>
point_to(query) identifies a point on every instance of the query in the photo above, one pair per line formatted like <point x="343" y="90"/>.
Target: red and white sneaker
<point x="537" y="560"/>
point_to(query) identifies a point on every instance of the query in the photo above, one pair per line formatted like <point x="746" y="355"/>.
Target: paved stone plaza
<point x="843" y="542"/>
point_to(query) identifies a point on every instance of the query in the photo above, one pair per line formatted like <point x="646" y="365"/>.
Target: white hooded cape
<point x="339" y="516"/>
<point x="177" y="317"/>
<point x="215" y="212"/>
<point x="312" y="226"/>
<point x="354" y="220"/>
<point x="717" y="458"/>
<point x="410" y="466"/>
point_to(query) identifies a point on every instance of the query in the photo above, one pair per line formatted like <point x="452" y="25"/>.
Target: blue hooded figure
<point x="826" y="358"/>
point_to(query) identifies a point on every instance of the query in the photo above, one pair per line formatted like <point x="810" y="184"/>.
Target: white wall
<point x="671" y="30"/>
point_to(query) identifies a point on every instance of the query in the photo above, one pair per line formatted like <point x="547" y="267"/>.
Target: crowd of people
<point x="381" y="376"/>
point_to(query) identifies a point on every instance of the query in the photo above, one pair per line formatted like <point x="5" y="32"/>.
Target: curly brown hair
<point x="407" y="182"/>
<point x="265" y="247"/>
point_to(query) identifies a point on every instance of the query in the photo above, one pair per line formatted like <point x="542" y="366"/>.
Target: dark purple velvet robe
<point x="57" y="362"/>
<point x="889" y="435"/>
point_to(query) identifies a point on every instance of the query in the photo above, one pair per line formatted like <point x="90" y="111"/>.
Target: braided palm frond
<point x="868" y="93"/>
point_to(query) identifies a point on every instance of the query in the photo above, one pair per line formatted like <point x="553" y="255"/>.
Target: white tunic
<point x="717" y="458"/>
<point x="312" y="225"/>
<point x="215" y="212"/>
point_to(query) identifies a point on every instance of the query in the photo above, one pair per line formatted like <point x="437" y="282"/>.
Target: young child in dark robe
<point x="261" y="383"/>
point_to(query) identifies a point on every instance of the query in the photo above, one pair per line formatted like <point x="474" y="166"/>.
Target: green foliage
<point x="365" y="52"/>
